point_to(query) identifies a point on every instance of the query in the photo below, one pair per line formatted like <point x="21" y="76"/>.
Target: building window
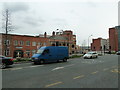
<point x="74" y="37"/>
<point x="33" y="43"/>
<point x="73" y="46"/>
<point x="46" y="51"/>
<point x="67" y="44"/>
<point x="15" y="42"/>
<point x="39" y="43"/>
<point x="73" y="52"/>
<point x="7" y="52"/>
<point x="63" y="44"/>
<point x="33" y="52"/>
<point x="44" y="44"/>
<point x="28" y="43"/>
<point x="21" y="43"/>
<point x="6" y="42"/>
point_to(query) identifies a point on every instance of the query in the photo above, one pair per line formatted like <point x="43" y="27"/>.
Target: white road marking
<point x="57" y="68"/>
<point x="35" y="66"/>
<point x="23" y="67"/>
<point x="16" y="68"/>
<point x="105" y="69"/>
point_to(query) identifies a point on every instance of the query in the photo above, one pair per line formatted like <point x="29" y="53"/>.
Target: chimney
<point x="53" y="33"/>
<point x="45" y="34"/>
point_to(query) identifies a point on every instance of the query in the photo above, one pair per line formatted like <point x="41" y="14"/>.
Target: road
<point x="76" y="73"/>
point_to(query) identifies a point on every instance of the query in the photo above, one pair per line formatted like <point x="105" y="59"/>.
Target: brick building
<point x="26" y="46"/>
<point x="113" y="39"/>
<point x="65" y="38"/>
<point x="118" y="34"/>
<point x="22" y="45"/>
<point x="100" y="44"/>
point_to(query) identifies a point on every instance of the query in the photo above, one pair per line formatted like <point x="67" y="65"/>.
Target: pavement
<point x="101" y="72"/>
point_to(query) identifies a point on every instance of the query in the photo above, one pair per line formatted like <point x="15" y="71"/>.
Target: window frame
<point x="27" y="43"/>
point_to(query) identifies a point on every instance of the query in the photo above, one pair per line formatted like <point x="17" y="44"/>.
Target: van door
<point x="47" y="55"/>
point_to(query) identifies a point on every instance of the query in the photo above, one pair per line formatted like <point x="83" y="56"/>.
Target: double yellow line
<point x="77" y="77"/>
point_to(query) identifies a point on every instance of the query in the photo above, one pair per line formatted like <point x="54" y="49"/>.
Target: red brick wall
<point x="19" y="38"/>
<point x="96" y="44"/>
<point x="113" y="39"/>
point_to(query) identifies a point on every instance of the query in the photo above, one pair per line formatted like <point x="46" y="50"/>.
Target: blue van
<point x="50" y="54"/>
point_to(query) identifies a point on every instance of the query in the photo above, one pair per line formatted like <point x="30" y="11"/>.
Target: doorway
<point x="18" y="53"/>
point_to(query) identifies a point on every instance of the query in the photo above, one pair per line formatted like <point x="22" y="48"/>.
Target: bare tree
<point x="6" y="27"/>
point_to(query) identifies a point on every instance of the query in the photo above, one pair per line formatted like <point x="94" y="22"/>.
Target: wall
<point x="113" y="39"/>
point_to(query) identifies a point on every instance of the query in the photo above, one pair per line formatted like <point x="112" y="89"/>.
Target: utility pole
<point x="104" y="49"/>
<point x="88" y="41"/>
<point x="101" y="49"/>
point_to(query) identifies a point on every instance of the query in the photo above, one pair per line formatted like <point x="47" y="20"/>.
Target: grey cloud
<point x="41" y="20"/>
<point x="59" y="21"/>
<point x="16" y="7"/>
<point x="33" y="21"/>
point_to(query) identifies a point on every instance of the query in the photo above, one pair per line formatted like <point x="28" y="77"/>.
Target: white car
<point x="90" y="55"/>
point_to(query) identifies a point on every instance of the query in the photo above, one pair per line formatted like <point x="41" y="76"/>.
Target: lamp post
<point x="109" y="49"/>
<point x="88" y="41"/>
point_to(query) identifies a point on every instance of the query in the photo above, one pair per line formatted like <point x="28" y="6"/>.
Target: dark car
<point x="118" y="53"/>
<point x="5" y="61"/>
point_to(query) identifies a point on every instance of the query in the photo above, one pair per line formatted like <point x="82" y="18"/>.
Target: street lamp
<point x="88" y="41"/>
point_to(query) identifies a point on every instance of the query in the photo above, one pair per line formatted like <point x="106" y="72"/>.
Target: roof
<point x="20" y="35"/>
<point x="58" y="38"/>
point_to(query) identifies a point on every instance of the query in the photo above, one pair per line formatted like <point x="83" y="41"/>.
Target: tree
<point x="6" y="27"/>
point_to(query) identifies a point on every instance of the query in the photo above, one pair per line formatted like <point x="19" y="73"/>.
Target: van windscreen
<point x="40" y="51"/>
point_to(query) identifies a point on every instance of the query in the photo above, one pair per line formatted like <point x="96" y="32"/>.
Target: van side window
<point x="46" y="51"/>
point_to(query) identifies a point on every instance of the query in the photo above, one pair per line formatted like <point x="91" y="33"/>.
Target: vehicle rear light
<point x="11" y="59"/>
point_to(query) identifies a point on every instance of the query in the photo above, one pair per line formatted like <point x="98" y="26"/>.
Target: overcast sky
<point x="83" y="17"/>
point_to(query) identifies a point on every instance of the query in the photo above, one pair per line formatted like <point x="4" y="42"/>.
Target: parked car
<point x="90" y="55"/>
<point x="118" y="53"/>
<point x="50" y="54"/>
<point x="5" y="61"/>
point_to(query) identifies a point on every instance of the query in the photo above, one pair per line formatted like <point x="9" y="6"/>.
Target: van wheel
<point x="58" y="61"/>
<point x="65" y="60"/>
<point x="3" y="66"/>
<point x="91" y="57"/>
<point x="41" y="61"/>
